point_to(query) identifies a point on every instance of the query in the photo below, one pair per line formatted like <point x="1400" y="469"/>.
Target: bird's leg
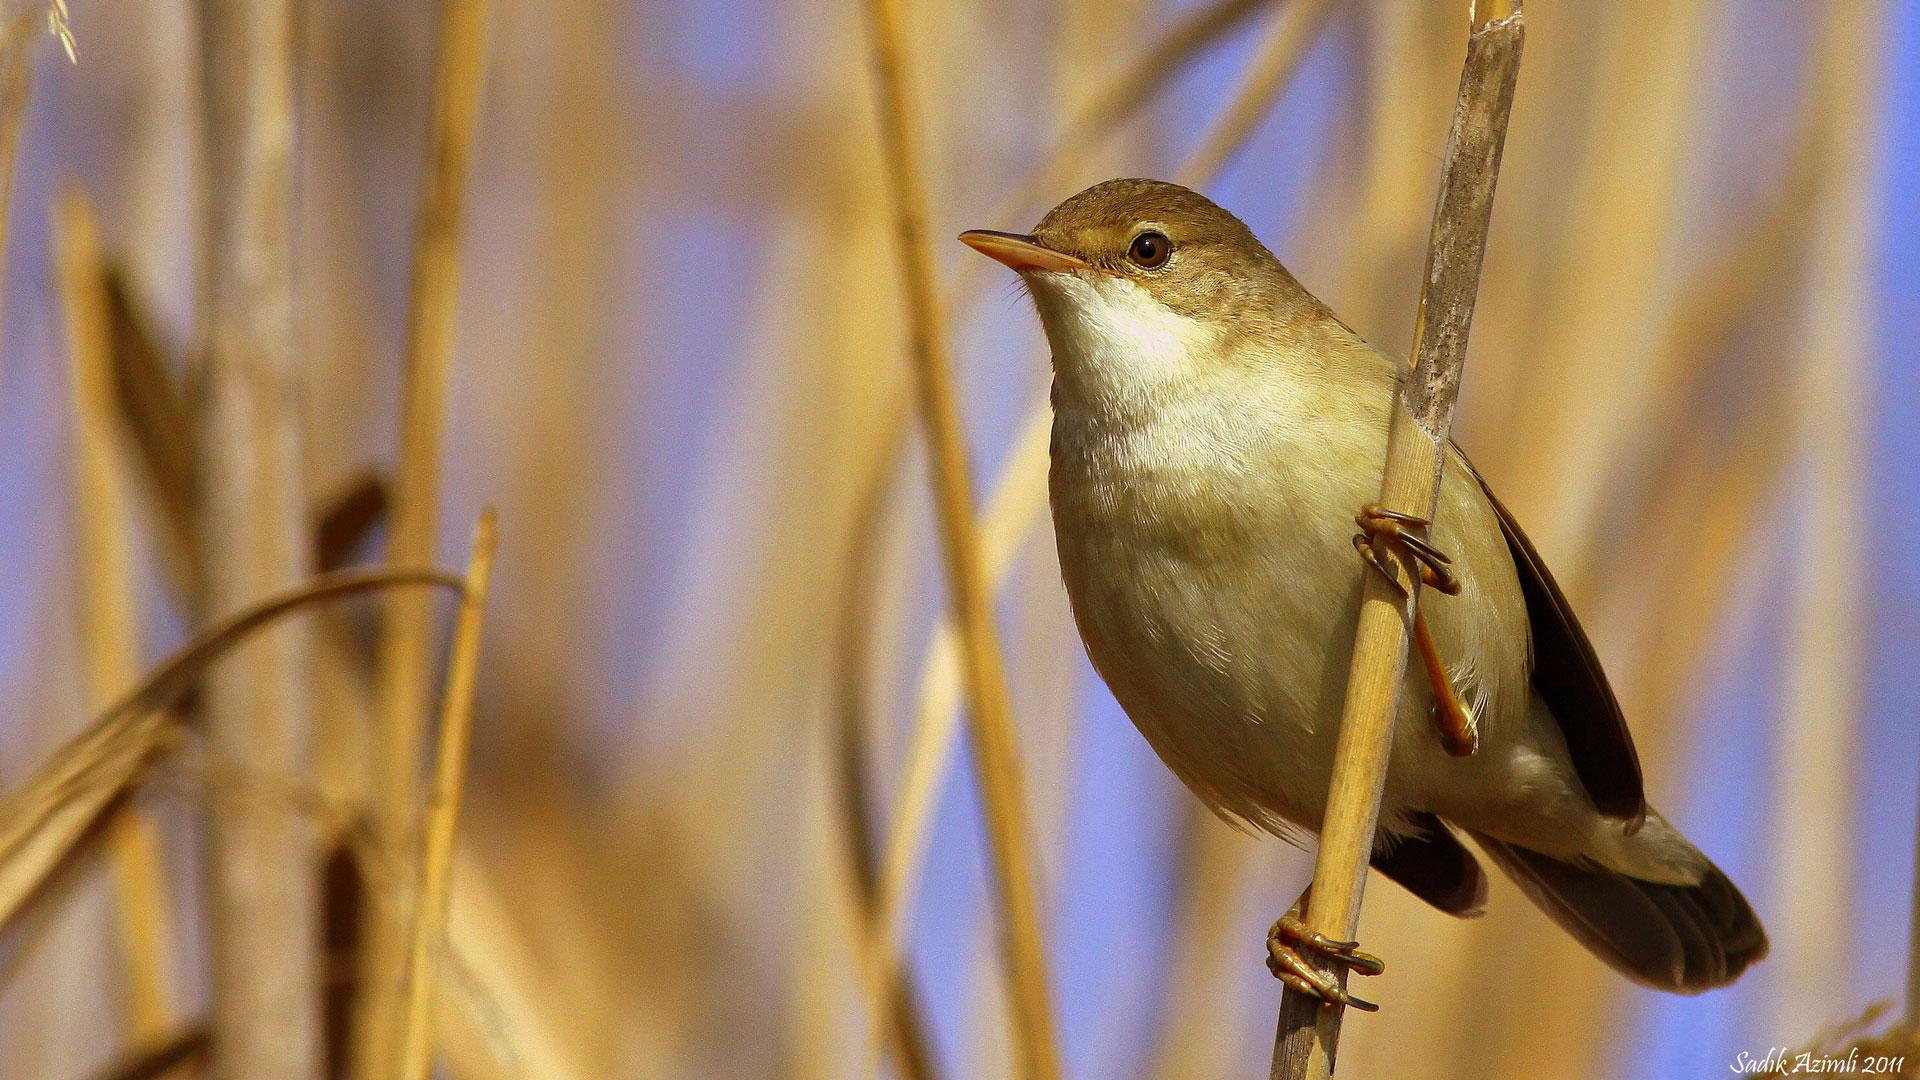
<point x="1459" y="734"/>
<point x="1289" y="935"/>
<point x="1379" y="525"/>
<point x="1459" y="731"/>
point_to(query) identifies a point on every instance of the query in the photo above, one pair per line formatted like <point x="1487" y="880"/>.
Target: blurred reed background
<point x="298" y="286"/>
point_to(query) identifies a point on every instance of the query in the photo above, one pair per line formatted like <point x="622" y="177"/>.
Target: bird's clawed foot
<point x="1284" y="942"/>
<point x="1379" y="525"/>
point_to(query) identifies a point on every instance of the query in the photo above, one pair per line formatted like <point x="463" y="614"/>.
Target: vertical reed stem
<point x="428" y="940"/>
<point x="107" y="620"/>
<point x="15" y="68"/>
<point x="406" y="629"/>
<point x="995" y="743"/>
<point x="262" y="888"/>
<point x="1416" y="452"/>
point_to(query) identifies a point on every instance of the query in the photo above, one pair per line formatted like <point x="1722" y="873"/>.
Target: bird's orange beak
<point x="1022" y="253"/>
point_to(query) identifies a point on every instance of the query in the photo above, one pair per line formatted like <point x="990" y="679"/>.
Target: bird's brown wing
<point x="1435" y="866"/>
<point x="1567" y="676"/>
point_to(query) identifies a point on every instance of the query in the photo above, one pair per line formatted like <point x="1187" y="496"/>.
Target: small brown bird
<point x="1215" y="430"/>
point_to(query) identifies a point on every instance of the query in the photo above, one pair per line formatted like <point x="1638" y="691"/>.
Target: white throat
<point x="1116" y="349"/>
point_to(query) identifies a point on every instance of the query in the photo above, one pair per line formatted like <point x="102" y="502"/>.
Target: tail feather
<point x="1680" y="938"/>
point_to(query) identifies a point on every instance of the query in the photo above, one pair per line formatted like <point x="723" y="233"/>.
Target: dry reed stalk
<point x="43" y="822"/>
<point x="405" y="661"/>
<point x="1821" y="692"/>
<point x="1416" y="454"/>
<point x="15" y="83"/>
<point x="995" y="742"/>
<point x="102" y="531"/>
<point x="1623" y="367"/>
<point x="1294" y="29"/>
<point x="145" y="914"/>
<point x="1017" y="503"/>
<point x="262" y="887"/>
<point x="427" y="942"/>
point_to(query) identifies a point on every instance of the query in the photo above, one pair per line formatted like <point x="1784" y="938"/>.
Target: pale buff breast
<point x="1208" y="555"/>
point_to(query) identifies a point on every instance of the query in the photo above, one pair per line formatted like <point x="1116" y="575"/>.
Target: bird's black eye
<point x="1149" y="250"/>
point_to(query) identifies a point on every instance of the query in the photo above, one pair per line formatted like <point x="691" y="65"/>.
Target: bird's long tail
<point x="1680" y="938"/>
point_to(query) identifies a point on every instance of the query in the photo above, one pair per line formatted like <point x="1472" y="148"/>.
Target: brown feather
<point x="1568" y="677"/>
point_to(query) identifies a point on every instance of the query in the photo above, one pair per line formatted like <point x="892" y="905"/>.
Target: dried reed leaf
<point x="60" y="26"/>
<point x="155" y="413"/>
<point x="429" y="930"/>
<point x="42" y="822"/>
<point x="42" y="825"/>
<point x="347" y="519"/>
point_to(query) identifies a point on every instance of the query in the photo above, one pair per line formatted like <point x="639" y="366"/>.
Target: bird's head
<point x="1142" y="282"/>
